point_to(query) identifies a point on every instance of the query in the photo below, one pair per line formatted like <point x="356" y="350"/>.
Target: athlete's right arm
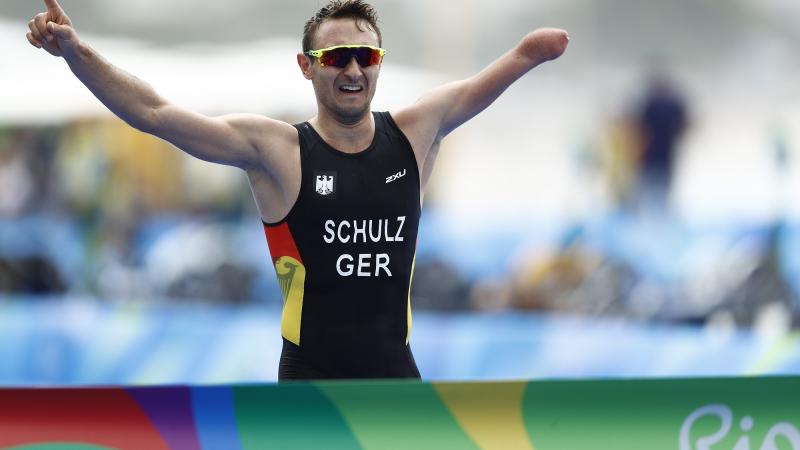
<point x="236" y="139"/>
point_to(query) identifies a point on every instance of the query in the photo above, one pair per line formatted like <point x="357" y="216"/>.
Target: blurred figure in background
<point x="25" y="166"/>
<point x="16" y="177"/>
<point x="661" y="121"/>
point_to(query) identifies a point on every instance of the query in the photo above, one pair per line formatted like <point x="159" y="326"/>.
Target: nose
<point x="352" y="68"/>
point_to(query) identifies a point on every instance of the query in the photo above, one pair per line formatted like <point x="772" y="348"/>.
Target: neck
<point x="346" y="135"/>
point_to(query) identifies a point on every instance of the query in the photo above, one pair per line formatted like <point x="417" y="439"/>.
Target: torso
<point x="344" y="253"/>
<point x="276" y="190"/>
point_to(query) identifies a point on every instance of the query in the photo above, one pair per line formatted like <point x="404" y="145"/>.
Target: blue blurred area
<point x="82" y="341"/>
<point x="617" y="265"/>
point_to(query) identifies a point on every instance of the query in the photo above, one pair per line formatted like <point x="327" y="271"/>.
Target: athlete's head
<point x="345" y="73"/>
<point x="362" y="12"/>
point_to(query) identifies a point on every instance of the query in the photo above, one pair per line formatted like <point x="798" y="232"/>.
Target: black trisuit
<point x="344" y="256"/>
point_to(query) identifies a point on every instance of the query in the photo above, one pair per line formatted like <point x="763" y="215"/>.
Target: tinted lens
<point x="367" y="56"/>
<point x="340" y="57"/>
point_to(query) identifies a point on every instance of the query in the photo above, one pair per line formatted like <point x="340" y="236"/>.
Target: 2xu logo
<point x="400" y="174"/>
<point x="785" y="430"/>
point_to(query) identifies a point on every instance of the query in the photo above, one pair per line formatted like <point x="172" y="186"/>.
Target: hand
<point x="545" y="44"/>
<point x="52" y="30"/>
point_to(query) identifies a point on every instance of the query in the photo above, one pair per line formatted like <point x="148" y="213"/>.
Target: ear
<point x="305" y="65"/>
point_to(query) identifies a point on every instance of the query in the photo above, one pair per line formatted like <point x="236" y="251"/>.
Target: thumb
<point x="62" y="32"/>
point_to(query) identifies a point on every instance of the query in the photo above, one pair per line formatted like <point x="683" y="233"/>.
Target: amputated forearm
<point x="542" y="45"/>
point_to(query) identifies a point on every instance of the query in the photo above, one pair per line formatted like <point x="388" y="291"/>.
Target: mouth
<point x="351" y="88"/>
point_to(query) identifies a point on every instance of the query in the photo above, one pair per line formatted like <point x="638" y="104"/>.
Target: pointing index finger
<point x="53" y="6"/>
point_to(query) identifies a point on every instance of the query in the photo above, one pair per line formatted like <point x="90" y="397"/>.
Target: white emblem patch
<point x="324" y="184"/>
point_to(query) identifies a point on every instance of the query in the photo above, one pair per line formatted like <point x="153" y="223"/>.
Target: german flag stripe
<point x="281" y="242"/>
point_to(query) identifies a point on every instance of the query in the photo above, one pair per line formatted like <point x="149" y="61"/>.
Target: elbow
<point x="148" y="121"/>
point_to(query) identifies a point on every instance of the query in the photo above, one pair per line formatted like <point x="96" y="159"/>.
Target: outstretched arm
<point x="460" y="101"/>
<point x="445" y="108"/>
<point x="230" y="139"/>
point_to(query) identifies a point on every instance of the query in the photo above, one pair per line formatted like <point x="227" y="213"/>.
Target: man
<point x="339" y="195"/>
<point x="662" y="121"/>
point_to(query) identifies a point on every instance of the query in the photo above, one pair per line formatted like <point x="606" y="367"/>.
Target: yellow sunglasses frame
<point x="318" y="53"/>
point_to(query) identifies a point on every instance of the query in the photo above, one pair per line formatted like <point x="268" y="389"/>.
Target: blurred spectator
<point x="24" y="166"/>
<point x="29" y="275"/>
<point x="551" y="282"/>
<point x="107" y="168"/>
<point x="661" y="120"/>
<point x="16" y="178"/>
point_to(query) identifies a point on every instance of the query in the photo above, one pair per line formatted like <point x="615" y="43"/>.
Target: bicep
<point x="229" y="139"/>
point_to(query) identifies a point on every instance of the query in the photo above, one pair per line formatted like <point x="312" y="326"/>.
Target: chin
<point x="352" y="114"/>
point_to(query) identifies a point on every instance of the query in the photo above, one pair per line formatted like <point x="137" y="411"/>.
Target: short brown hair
<point x="358" y="10"/>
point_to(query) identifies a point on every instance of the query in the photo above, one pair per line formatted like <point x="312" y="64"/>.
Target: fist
<point x="52" y="30"/>
<point x="544" y="44"/>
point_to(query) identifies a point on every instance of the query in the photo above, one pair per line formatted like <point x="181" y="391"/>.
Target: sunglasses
<point x="340" y="55"/>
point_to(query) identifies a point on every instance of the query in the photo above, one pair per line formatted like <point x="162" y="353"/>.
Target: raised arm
<point x="462" y="100"/>
<point x="445" y="108"/>
<point x="236" y="140"/>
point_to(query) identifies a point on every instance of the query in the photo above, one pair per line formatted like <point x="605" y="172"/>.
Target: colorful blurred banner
<point x="718" y="413"/>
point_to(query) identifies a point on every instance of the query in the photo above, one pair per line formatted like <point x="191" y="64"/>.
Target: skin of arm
<point x="445" y="108"/>
<point x="236" y="139"/>
<point x="266" y="149"/>
<point x="220" y="139"/>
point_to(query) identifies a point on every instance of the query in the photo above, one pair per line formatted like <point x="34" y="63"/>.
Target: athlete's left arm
<point x="445" y="108"/>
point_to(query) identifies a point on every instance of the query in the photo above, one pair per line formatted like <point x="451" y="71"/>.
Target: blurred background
<point x="625" y="211"/>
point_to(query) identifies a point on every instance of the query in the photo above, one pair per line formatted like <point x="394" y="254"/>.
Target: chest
<point x="379" y="182"/>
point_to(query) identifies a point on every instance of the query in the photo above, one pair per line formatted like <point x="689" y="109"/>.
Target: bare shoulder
<point x="424" y="109"/>
<point x="411" y="123"/>
<point x="417" y="120"/>
<point x="274" y="140"/>
<point x="425" y="117"/>
<point x="421" y="121"/>
<point x="404" y="117"/>
<point x="261" y="129"/>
